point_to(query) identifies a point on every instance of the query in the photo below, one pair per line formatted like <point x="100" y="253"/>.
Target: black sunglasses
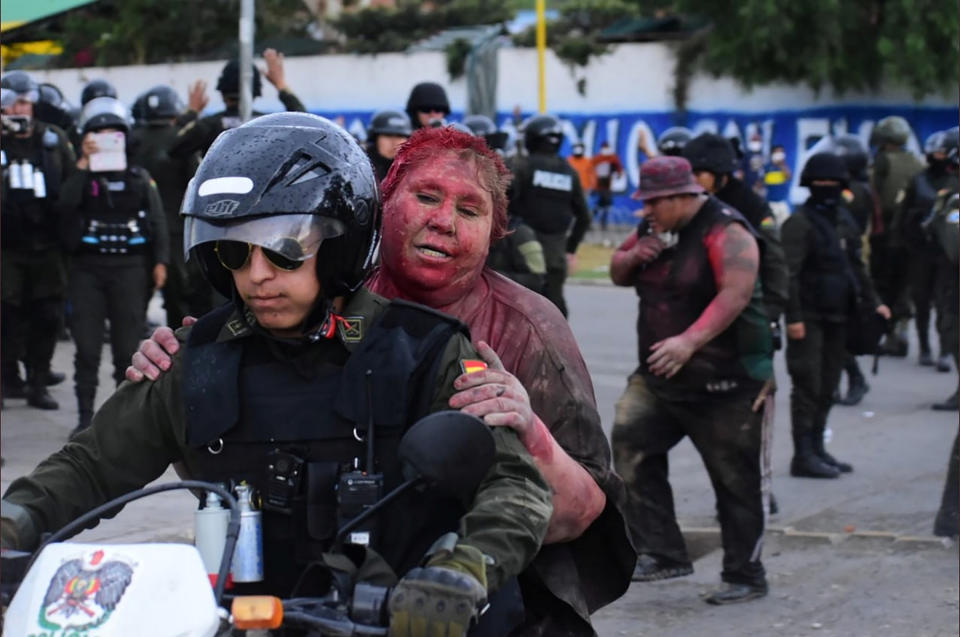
<point x="234" y="255"/>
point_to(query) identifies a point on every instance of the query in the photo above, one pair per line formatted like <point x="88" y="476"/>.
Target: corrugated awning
<point x="19" y="13"/>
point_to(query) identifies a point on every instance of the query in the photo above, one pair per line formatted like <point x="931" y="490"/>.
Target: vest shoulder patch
<point x="470" y="365"/>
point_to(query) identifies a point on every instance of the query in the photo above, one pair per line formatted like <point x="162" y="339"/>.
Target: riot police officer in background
<point x="197" y="136"/>
<point x="943" y="225"/>
<point x="483" y="126"/>
<point x="387" y="130"/>
<point x="112" y="219"/>
<point x="37" y="159"/>
<point x="427" y="105"/>
<point x="822" y="245"/>
<point x="893" y="168"/>
<point x="714" y="161"/>
<point x="546" y="193"/>
<point x="862" y="205"/>
<point x="920" y="195"/>
<point x="186" y="293"/>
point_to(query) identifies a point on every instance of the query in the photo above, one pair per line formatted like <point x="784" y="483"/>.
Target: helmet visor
<point x="295" y="237"/>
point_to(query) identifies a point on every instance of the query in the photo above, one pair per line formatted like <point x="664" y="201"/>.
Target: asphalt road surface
<point x="853" y="556"/>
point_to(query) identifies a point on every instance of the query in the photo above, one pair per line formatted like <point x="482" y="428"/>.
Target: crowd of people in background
<point x="726" y="270"/>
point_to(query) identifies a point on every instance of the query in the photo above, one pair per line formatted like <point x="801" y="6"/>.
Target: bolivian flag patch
<point x="472" y="365"/>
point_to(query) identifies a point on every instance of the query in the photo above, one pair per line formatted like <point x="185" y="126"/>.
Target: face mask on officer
<point x="826" y="194"/>
<point x="755" y="145"/>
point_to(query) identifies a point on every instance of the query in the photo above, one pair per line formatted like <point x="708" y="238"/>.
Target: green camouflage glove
<point x="441" y="599"/>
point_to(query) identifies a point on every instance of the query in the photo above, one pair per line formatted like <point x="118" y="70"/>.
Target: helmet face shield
<point x="296" y="237"/>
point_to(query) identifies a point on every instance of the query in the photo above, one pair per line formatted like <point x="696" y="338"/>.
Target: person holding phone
<point x="112" y="220"/>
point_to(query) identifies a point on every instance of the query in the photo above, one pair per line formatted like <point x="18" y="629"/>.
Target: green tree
<point x="152" y="31"/>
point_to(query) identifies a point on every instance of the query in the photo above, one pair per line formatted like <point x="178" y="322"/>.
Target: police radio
<point x="358" y="490"/>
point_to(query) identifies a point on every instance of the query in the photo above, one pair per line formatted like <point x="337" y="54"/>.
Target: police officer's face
<point x="436" y="229"/>
<point x="428" y="114"/>
<point x="279" y="299"/>
<point x="706" y="179"/>
<point x="387" y="145"/>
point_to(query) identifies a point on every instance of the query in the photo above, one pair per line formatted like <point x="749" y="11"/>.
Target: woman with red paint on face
<point x="444" y="202"/>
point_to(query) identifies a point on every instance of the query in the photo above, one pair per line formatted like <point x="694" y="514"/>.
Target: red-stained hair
<point x="427" y="143"/>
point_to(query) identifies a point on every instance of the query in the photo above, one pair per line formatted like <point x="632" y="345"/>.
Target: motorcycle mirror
<point x="450" y="449"/>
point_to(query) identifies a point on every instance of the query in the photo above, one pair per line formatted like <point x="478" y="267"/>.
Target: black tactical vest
<point x="27" y="220"/>
<point x="827" y="285"/>
<point x="546" y="192"/>
<point x="674" y="291"/>
<point x="114" y="211"/>
<point x="244" y="404"/>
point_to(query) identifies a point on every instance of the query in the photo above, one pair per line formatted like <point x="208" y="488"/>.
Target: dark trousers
<point x="186" y="292"/>
<point x="948" y="306"/>
<point x="100" y="291"/>
<point x="922" y="267"/>
<point x="33" y="288"/>
<point x="815" y="364"/>
<point x="728" y="434"/>
<point x="555" y="255"/>
<point x="890" y="276"/>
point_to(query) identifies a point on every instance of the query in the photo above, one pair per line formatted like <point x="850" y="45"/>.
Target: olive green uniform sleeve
<point x="134" y="437"/>
<point x="196" y="136"/>
<point x="794" y="235"/>
<point x="509" y="515"/>
<point x="775" y="276"/>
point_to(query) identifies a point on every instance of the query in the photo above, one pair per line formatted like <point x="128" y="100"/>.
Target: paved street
<point x="852" y="556"/>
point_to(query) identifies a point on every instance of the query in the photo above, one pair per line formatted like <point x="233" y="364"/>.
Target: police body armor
<point x="925" y="190"/>
<point x="674" y="291"/>
<point x="149" y="150"/>
<point x="546" y="202"/>
<point x="31" y="185"/>
<point x="248" y="409"/>
<point x="827" y="285"/>
<point x="114" y="214"/>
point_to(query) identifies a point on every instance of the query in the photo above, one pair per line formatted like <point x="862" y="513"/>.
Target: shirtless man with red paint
<point x="444" y="203"/>
<point x="705" y="368"/>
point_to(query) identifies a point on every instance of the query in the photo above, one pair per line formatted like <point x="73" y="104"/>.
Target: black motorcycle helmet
<point x="673" y="140"/>
<point x="95" y="89"/>
<point x="389" y="123"/>
<point x="229" y="81"/>
<point x="826" y="166"/>
<point x="22" y="85"/>
<point x="483" y="126"/>
<point x="293" y="180"/>
<point x="426" y="95"/>
<point x="712" y="153"/>
<point x="104" y="112"/>
<point x="160" y="104"/>
<point x="542" y="134"/>
<point x="854" y="154"/>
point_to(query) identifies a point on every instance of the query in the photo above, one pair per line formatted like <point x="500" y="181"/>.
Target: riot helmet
<point x="229" y="81"/>
<point x="52" y="108"/>
<point x="287" y="182"/>
<point x="542" y="134"/>
<point x="673" y="140"/>
<point x="426" y="97"/>
<point x="933" y="143"/>
<point x="104" y="112"/>
<point x="390" y="123"/>
<point x="854" y="154"/>
<point x="23" y="86"/>
<point x="95" y="89"/>
<point x="711" y="153"/>
<point x="893" y="130"/>
<point x="483" y="126"/>
<point x="825" y="166"/>
<point x="459" y="126"/>
<point x="160" y="104"/>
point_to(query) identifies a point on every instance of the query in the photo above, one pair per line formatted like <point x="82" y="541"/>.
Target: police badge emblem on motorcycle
<point x="84" y="592"/>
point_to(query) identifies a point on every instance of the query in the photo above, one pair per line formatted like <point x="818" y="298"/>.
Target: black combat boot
<point x="84" y="409"/>
<point x="895" y="343"/>
<point x="37" y="393"/>
<point x="13" y="385"/>
<point x="818" y="448"/>
<point x="943" y="363"/>
<point x="857" y="388"/>
<point x="950" y="404"/>
<point x="806" y="463"/>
